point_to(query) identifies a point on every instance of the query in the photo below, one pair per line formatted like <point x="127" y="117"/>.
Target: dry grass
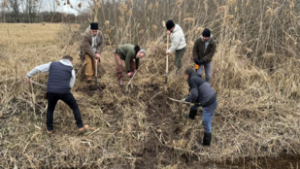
<point x="28" y="33"/>
<point x="255" y="73"/>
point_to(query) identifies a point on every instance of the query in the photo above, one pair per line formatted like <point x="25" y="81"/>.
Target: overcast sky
<point x="67" y="8"/>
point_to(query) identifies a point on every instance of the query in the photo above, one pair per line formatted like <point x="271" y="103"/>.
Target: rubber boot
<point x="193" y="113"/>
<point x="206" y="139"/>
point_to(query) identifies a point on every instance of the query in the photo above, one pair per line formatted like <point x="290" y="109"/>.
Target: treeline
<point x="32" y="11"/>
<point x="54" y="17"/>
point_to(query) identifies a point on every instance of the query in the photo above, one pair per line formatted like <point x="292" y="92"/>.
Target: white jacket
<point x="46" y="67"/>
<point x="178" y="39"/>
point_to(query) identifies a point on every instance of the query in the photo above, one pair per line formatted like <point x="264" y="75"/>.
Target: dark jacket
<point x="199" y="48"/>
<point x="127" y="53"/>
<point x="59" y="78"/>
<point x="200" y="91"/>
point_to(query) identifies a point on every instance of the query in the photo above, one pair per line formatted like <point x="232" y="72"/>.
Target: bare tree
<point x="14" y="4"/>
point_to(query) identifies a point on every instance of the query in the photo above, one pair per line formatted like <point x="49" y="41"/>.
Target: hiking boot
<point x="89" y="79"/>
<point x="84" y="128"/>
<point x="206" y="139"/>
<point x="193" y="113"/>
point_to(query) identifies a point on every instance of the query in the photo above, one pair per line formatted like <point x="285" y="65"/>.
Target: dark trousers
<point x="69" y="100"/>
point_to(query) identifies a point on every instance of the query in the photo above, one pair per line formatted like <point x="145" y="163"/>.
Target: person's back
<point x="206" y="95"/>
<point x="59" y="77"/>
<point x="126" y="50"/>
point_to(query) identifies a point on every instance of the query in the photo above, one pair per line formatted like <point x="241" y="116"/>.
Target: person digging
<point x="203" y="52"/>
<point x="60" y="81"/>
<point x="128" y="53"/>
<point x="201" y="92"/>
<point x="90" y="49"/>
<point x="178" y="42"/>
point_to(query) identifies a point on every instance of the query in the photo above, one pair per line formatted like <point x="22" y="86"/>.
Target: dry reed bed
<point x="142" y="128"/>
<point x="254" y="73"/>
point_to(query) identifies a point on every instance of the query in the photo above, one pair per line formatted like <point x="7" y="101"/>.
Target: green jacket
<point x="127" y="53"/>
<point x="199" y="47"/>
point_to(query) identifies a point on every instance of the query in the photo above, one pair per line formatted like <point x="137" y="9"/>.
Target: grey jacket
<point x="201" y="91"/>
<point x="46" y="67"/>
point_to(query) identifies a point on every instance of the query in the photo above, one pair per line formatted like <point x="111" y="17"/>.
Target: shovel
<point x="95" y="87"/>
<point x="96" y="78"/>
<point x="167" y="61"/>
<point x="130" y="81"/>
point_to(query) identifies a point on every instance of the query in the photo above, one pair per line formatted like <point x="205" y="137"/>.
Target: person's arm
<point x="127" y="61"/>
<point x="39" y="69"/>
<point x="208" y="57"/>
<point x="87" y="47"/>
<point x="73" y="78"/>
<point x="175" y="43"/>
<point x="195" y="50"/>
<point x="102" y="43"/>
<point x="137" y="63"/>
<point x="192" y="98"/>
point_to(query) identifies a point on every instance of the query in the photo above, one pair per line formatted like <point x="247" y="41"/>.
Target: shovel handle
<point x="167" y="61"/>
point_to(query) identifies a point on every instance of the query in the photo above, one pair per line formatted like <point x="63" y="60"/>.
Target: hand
<point x="129" y="74"/>
<point x="168" y="32"/>
<point x="27" y="80"/>
<point x="167" y="53"/>
<point x="97" y="56"/>
<point x="198" y="62"/>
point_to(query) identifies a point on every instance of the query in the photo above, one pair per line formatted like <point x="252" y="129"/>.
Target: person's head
<point x="141" y="53"/>
<point x="188" y="72"/>
<point x="206" y="35"/>
<point x="170" y="25"/>
<point x="94" y="28"/>
<point x="68" y="57"/>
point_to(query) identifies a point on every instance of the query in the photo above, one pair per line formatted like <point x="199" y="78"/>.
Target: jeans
<point x="178" y="57"/>
<point x="69" y="100"/>
<point x="208" y="71"/>
<point x="207" y="115"/>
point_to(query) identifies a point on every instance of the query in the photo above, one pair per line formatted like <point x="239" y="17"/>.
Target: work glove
<point x="199" y="62"/>
<point x="187" y="98"/>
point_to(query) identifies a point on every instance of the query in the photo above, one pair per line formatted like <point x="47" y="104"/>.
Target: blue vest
<point x="59" y="78"/>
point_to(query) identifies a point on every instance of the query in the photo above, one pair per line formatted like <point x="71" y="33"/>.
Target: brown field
<point x="256" y="79"/>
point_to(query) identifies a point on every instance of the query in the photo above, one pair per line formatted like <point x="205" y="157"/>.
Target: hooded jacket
<point x="127" y="53"/>
<point x="61" y="76"/>
<point x="201" y="91"/>
<point x="178" y="39"/>
<point x="87" y="42"/>
<point x="203" y="52"/>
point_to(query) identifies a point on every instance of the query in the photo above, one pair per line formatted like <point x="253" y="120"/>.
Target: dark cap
<point x="170" y="24"/>
<point x="206" y="33"/>
<point x="94" y="26"/>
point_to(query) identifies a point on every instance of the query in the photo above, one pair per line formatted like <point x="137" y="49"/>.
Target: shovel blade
<point x="96" y="79"/>
<point x="166" y="79"/>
